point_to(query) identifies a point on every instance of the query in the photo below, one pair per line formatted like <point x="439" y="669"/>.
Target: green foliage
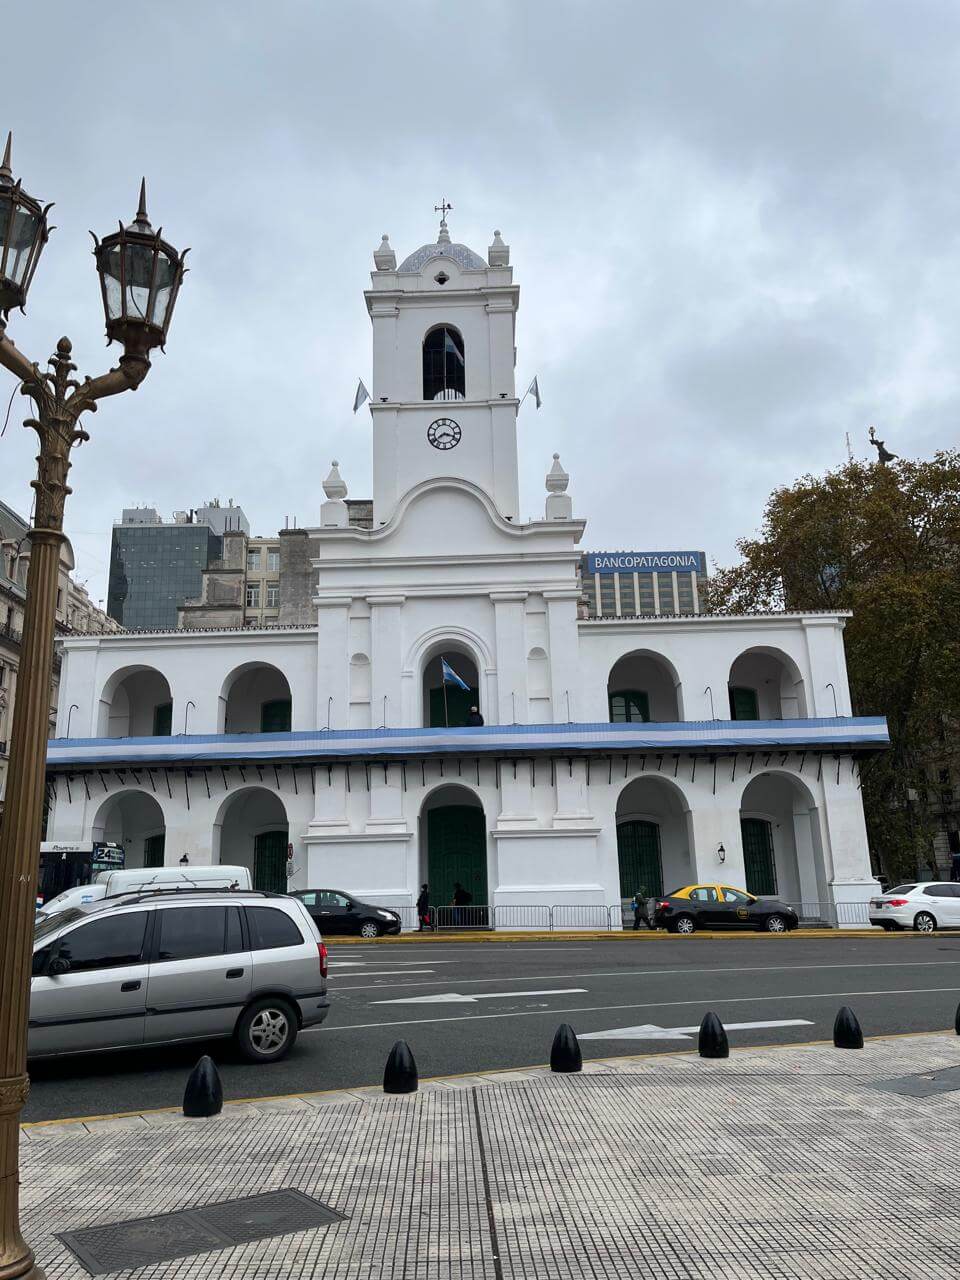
<point x="884" y="542"/>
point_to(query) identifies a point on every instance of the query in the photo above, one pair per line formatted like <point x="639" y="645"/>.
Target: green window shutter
<point x="759" y="863"/>
<point x="638" y="849"/>
<point x="270" y="862"/>
<point x="743" y="704"/>
<point x="275" y="716"/>
<point x="163" y="720"/>
<point x="153" y="850"/>
<point x="629" y="706"/>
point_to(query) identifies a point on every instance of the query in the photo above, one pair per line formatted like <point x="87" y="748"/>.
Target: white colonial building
<point x="618" y="753"/>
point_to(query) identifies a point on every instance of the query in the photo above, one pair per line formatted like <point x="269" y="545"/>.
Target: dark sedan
<point x="718" y="906"/>
<point x="336" y="912"/>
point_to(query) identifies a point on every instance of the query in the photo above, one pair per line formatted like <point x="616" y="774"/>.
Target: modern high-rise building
<point x="155" y="564"/>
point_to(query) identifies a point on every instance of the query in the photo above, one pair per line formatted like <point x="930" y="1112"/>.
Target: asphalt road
<point x="512" y="996"/>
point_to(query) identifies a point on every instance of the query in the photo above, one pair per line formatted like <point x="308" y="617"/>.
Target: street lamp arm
<point x="12" y="358"/>
<point x="126" y="376"/>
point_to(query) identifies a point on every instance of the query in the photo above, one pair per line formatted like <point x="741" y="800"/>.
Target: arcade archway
<point x="453" y="844"/>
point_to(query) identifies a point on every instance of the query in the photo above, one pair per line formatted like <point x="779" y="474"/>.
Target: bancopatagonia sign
<point x="645" y="561"/>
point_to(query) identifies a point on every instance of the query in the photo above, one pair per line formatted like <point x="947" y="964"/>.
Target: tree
<point x="884" y="542"/>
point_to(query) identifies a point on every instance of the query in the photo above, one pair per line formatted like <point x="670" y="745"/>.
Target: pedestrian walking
<point x="461" y="898"/>
<point x="955" y="866"/>
<point x="474" y="718"/>
<point x="639" y="909"/>
<point x="423" y="909"/>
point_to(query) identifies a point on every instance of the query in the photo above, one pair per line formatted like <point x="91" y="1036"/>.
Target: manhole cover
<point x="923" y="1085"/>
<point x="121" y="1246"/>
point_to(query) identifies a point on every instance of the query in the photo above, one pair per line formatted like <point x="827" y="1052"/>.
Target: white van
<point x="107" y="884"/>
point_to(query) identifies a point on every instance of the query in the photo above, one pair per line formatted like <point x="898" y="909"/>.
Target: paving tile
<point x="801" y="1167"/>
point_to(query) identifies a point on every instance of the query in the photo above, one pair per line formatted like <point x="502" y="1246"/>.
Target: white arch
<point x="237" y="673"/>
<point x="791" y="700"/>
<point x="108" y="693"/>
<point x="145" y="826"/>
<point x="431" y="642"/>
<point x="660" y="660"/>
<point x="797" y="833"/>
<point x="244" y="856"/>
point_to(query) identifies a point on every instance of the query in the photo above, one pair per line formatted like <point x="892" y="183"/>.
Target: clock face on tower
<point x="444" y="433"/>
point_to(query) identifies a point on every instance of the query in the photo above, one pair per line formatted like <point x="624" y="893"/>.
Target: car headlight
<point x="387" y="915"/>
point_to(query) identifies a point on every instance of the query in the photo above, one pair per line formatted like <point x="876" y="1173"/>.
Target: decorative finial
<point x="443" y="209"/>
<point x="498" y="254"/>
<point x="384" y="259"/>
<point x="334" y="486"/>
<point x="6" y="173"/>
<point x="557" y="478"/>
<point x="141" y="221"/>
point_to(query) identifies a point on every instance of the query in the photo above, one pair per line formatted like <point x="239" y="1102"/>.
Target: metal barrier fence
<point x="543" y="917"/>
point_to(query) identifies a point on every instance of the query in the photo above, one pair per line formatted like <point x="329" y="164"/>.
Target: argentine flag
<point x="451" y="677"/>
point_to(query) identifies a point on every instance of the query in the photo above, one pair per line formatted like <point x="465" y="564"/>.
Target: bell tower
<point x="444" y="400"/>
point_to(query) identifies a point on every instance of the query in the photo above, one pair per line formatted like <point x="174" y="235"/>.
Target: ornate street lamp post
<point x="140" y="275"/>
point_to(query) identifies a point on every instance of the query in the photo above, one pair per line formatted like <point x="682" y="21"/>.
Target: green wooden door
<point x="459" y="702"/>
<point x="270" y="862"/>
<point x="743" y="704"/>
<point x="758" y="860"/>
<point x="153" y="850"/>
<point x="638" y="846"/>
<point x="456" y="850"/>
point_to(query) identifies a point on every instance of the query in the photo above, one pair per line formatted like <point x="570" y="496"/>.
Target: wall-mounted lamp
<point x="184" y="861"/>
<point x="721" y="853"/>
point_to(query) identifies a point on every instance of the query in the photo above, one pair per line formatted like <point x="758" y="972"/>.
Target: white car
<point x="924" y="906"/>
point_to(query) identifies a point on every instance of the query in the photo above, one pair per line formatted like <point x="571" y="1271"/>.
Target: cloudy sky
<point x="734" y="226"/>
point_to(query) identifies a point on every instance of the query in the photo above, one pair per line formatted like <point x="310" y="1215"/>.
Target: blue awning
<point x="840" y="734"/>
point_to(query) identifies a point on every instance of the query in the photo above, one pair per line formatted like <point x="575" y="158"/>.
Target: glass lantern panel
<point x="21" y="242"/>
<point x="139" y="274"/>
<point x="110" y="266"/>
<point x="166" y="277"/>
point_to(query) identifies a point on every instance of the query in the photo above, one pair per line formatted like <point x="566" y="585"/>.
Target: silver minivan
<point x="156" y="968"/>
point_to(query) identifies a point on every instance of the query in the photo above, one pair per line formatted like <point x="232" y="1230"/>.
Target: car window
<point x="50" y="924"/>
<point x="234" y="940"/>
<point x="903" y="888"/>
<point x="330" y="899"/>
<point x="939" y="891"/>
<point x="105" y="944"/>
<point x="734" y="895"/>
<point x="40" y="959"/>
<point x="270" y="927"/>
<point x="189" y="932"/>
<point x="308" y="899"/>
<point x="704" y="893"/>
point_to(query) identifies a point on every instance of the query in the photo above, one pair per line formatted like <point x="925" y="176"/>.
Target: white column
<point x="511" y="658"/>
<point x="827" y="666"/>
<point x="516" y="796"/>
<point x="385" y="660"/>
<point x="333" y="658"/>
<point x="564" y="652"/>
<point x="386" y="799"/>
<point x="714" y="821"/>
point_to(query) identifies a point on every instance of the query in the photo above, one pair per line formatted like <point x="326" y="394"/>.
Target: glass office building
<point x="623" y="584"/>
<point x="154" y="567"/>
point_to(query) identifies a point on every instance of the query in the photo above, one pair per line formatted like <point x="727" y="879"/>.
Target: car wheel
<point x="684" y="924"/>
<point x="775" y="924"/>
<point x="924" y="922"/>
<point x="266" y="1031"/>
<point x="369" y="929"/>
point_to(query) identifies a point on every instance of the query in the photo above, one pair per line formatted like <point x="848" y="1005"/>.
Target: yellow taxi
<point x="719" y="906"/>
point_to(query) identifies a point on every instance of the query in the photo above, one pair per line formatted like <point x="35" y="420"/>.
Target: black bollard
<point x="846" y="1030"/>
<point x="713" y="1039"/>
<point x="203" y="1095"/>
<point x="956" y="1021"/>
<point x="400" y="1073"/>
<point x="565" y="1054"/>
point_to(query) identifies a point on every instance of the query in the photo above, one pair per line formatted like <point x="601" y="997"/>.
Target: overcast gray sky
<point x="734" y="227"/>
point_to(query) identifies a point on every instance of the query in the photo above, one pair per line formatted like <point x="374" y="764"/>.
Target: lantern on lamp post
<point x="140" y="275"/>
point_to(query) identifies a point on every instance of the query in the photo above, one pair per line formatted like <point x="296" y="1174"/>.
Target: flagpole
<point x="446" y="717"/>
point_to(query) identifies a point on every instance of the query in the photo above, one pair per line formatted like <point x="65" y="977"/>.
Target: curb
<point x="589" y="935"/>
<point x="457" y="1080"/>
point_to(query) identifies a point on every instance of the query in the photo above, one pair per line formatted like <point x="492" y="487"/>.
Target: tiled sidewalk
<point x="774" y="1163"/>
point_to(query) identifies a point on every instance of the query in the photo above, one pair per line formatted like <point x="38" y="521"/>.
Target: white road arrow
<point x="454" y="997"/>
<point x="650" y="1032"/>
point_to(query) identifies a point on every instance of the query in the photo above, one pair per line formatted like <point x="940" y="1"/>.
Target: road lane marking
<point x="377" y="973"/>
<point x="607" y="1008"/>
<point x="454" y="997"/>
<point x="659" y="973"/>
<point x="649" y="1031"/>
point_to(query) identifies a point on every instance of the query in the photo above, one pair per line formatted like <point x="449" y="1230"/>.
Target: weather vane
<point x="442" y="208"/>
<point x="883" y="453"/>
